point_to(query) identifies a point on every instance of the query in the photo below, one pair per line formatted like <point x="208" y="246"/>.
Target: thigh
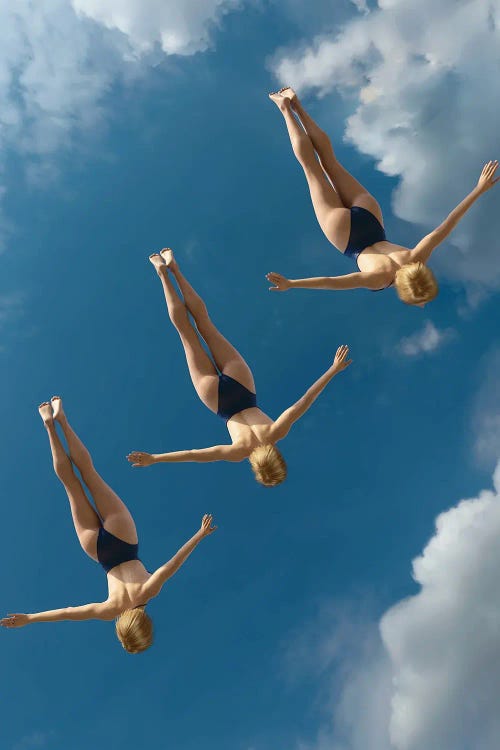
<point x="334" y="220"/>
<point x="85" y="519"/>
<point x="203" y="374"/>
<point x="352" y="192"/>
<point x="115" y="515"/>
<point x="226" y="356"/>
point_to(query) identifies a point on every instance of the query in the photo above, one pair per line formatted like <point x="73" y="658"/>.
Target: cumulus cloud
<point x="426" y="110"/>
<point x="361" y="5"/>
<point x="180" y="28"/>
<point x="342" y="650"/>
<point x="444" y="642"/>
<point x="59" y="60"/>
<point x="428" y="677"/>
<point x="424" y="341"/>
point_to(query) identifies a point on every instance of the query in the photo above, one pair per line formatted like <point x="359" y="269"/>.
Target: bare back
<point x="126" y="585"/>
<point x="250" y="428"/>
<point x="383" y="257"/>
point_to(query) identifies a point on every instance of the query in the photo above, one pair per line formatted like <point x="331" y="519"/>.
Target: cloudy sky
<point x="357" y="605"/>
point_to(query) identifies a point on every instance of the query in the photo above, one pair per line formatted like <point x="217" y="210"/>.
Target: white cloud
<point x="425" y="341"/>
<point x="343" y="651"/>
<point x="57" y="67"/>
<point x="178" y="27"/>
<point x="435" y="681"/>
<point x="361" y="5"/>
<point x="444" y="642"/>
<point x="427" y="112"/>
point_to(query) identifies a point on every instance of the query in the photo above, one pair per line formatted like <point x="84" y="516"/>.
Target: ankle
<point x="162" y="271"/>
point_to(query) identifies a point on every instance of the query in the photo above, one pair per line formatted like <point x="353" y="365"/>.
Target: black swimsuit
<point x="366" y="230"/>
<point x="112" y="551"/>
<point x="233" y="397"/>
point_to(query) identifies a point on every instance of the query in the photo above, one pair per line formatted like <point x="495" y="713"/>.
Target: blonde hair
<point x="415" y="284"/>
<point x="134" y="629"/>
<point x="268" y="465"/>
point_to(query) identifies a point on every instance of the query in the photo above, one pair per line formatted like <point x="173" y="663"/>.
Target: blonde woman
<point x="225" y="384"/>
<point x="109" y="537"/>
<point x="352" y="220"/>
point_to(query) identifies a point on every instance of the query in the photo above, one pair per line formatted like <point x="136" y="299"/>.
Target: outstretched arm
<point x="358" y="280"/>
<point x="428" y="244"/>
<point x="155" y="583"/>
<point x="201" y="455"/>
<point x="284" y="422"/>
<point x="94" y="611"/>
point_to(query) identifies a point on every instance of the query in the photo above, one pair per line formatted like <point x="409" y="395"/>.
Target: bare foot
<point x="45" y="410"/>
<point x="283" y="102"/>
<point x="157" y="261"/>
<point x="168" y="256"/>
<point x="288" y="93"/>
<point x="57" y="408"/>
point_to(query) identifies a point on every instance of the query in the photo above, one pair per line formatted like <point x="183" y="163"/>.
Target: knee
<point x="64" y="471"/>
<point x="87" y="470"/>
<point x="302" y="146"/>
<point x="200" y="312"/>
<point x="324" y="141"/>
<point x="178" y="315"/>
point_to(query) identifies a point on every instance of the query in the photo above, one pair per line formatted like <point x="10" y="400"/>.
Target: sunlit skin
<point x="130" y="585"/>
<point x="249" y="428"/>
<point x="334" y="191"/>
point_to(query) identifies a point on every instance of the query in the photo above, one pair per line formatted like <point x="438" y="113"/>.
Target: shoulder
<point x="378" y="279"/>
<point x="107" y="610"/>
<point x="237" y="452"/>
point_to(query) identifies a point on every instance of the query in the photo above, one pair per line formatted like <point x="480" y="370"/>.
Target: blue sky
<point x="191" y="154"/>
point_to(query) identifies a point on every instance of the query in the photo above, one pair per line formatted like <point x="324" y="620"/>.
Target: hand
<point x="137" y="458"/>
<point x="486" y="180"/>
<point x="281" y="283"/>
<point x="14" y="621"/>
<point x="206" y="525"/>
<point x="341" y="362"/>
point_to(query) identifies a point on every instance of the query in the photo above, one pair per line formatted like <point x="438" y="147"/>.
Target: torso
<point x="250" y="428"/>
<point x="126" y="585"/>
<point x="384" y="258"/>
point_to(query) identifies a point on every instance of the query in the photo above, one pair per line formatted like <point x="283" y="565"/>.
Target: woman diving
<point x="352" y="221"/>
<point x="226" y="386"/>
<point x="109" y="537"/>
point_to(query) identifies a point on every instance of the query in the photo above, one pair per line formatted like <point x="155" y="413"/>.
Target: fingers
<point x="135" y="456"/>
<point x="206" y="523"/>
<point x="136" y="459"/>
<point x="490" y="168"/>
<point x="342" y="352"/>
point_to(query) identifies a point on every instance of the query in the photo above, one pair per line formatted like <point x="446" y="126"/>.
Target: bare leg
<point x="85" y="519"/>
<point x="349" y="189"/>
<point x="114" y="513"/>
<point x="227" y="358"/>
<point x="332" y="215"/>
<point x="201" y="368"/>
